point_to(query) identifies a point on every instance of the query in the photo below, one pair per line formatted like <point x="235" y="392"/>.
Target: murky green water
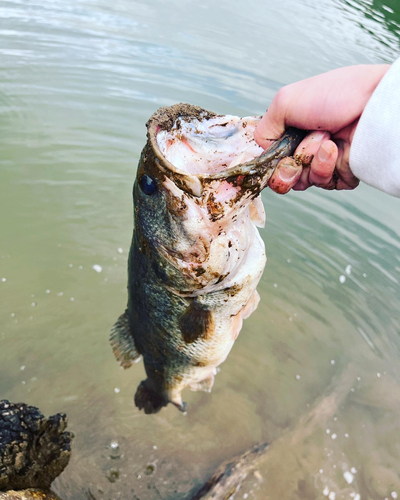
<point x="78" y="81"/>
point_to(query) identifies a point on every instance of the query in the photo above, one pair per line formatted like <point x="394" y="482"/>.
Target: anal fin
<point x="204" y="385"/>
<point x="122" y="342"/>
<point x="196" y="323"/>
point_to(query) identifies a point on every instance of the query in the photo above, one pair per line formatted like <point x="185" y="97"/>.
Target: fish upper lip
<point x="256" y="172"/>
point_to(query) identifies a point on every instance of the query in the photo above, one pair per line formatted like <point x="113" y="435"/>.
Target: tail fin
<point x="148" y="399"/>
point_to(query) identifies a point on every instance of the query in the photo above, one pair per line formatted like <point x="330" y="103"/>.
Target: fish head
<point x="198" y="175"/>
<point x="164" y="212"/>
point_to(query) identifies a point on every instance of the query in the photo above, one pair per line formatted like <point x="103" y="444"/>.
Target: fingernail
<point x="319" y="136"/>
<point x="324" y="152"/>
<point x="288" y="172"/>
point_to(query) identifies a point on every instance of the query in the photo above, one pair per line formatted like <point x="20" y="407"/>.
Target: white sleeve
<point x="375" y="150"/>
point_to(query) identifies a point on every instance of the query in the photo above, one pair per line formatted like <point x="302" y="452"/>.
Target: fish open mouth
<point x="195" y="147"/>
<point x="209" y="146"/>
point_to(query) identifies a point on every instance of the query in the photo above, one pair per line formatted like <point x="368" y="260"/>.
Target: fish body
<point x="196" y="255"/>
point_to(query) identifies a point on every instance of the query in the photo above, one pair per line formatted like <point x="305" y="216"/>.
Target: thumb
<point x="272" y="124"/>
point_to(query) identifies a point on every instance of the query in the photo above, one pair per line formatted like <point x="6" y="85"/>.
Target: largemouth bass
<point x="196" y="256"/>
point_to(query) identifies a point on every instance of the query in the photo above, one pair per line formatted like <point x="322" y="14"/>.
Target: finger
<point x="343" y="185"/>
<point x="323" y="165"/>
<point x="347" y="180"/>
<point x="303" y="183"/>
<point x="305" y="152"/>
<point x="285" y="176"/>
<point x="310" y="145"/>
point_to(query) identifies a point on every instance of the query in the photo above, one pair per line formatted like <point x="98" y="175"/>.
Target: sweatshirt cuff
<point x="375" y="150"/>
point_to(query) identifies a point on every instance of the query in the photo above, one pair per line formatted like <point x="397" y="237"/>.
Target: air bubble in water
<point x="348" y="476"/>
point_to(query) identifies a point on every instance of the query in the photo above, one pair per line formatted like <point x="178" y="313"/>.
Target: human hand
<point x="329" y="105"/>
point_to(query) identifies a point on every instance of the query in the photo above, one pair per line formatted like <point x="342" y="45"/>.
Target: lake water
<point x="78" y="81"/>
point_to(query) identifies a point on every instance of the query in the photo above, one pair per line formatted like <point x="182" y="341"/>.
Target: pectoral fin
<point x="257" y="212"/>
<point x="196" y="322"/>
<point x="251" y="305"/>
<point x="122" y="342"/>
<point x="244" y="313"/>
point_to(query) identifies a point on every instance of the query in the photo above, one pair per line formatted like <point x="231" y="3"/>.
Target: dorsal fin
<point x="122" y="342"/>
<point x="196" y="322"/>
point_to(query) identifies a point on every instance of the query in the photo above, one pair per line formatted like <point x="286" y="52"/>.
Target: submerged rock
<point x="34" y="450"/>
<point x="280" y="462"/>
<point x="29" y="494"/>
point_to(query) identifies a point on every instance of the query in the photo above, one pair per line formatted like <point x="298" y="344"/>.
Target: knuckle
<point x="281" y="98"/>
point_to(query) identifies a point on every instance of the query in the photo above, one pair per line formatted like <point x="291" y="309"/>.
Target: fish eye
<point x="148" y="185"/>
